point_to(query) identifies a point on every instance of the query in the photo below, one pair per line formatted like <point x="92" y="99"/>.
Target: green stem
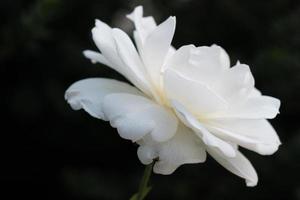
<point x="144" y="182"/>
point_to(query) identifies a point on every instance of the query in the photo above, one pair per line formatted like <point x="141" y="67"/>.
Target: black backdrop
<point x="52" y="152"/>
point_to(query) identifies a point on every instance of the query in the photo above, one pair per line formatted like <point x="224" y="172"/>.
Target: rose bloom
<point x="185" y="103"/>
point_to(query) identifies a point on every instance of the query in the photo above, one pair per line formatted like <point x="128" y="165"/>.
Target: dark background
<point x="52" y="152"/>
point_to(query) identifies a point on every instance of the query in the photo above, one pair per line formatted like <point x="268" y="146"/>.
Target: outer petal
<point x="89" y="93"/>
<point x="256" y="135"/>
<point x="135" y="116"/>
<point x="103" y="38"/>
<point x="239" y="165"/>
<point x="96" y="57"/>
<point x="209" y="139"/>
<point x="119" y="53"/>
<point x="195" y="96"/>
<point x="183" y="148"/>
<point x="127" y="52"/>
<point x="131" y="59"/>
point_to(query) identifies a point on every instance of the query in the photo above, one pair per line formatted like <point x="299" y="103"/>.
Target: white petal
<point x="223" y="56"/>
<point x="138" y="42"/>
<point x="209" y="139"/>
<point x="120" y="54"/>
<point x="235" y="83"/>
<point x="183" y="148"/>
<point x="96" y="57"/>
<point x="156" y="47"/>
<point x="127" y="51"/>
<point x="238" y="165"/>
<point x="89" y="93"/>
<point x="183" y="61"/>
<point x="196" y="97"/>
<point x="135" y="116"/>
<point x="179" y="60"/>
<point x="130" y="58"/>
<point x="254" y="93"/>
<point x="146" y="154"/>
<point x="214" y="57"/>
<point x="153" y="42"/>
<point x="259" y="107"/>
<point x="144" y="25"/>
<point x="235" y="86"/>
<point x="256" y="135"/>
<point x="103" y="38"/>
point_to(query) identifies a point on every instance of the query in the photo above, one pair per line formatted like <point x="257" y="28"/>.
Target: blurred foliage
<point x="52" y="152"/>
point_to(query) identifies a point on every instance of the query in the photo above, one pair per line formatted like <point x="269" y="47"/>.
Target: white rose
<point x="186" y="102"/>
